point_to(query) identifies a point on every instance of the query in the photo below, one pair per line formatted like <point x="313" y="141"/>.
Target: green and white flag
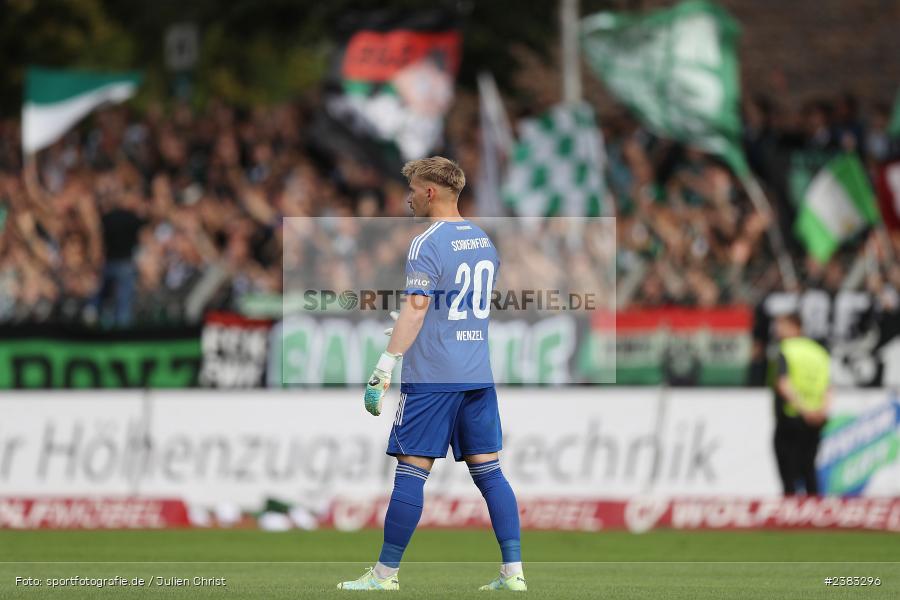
<point x="838" y="203"/>
<point x="556" y="166"/>
<point x="55" y="100"/>
<point x="677" y="69"/>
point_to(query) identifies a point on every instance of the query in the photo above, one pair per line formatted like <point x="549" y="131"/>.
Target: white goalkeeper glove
<point x="379" y="382"/>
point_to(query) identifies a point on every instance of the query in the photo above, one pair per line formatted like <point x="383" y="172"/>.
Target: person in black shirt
<point x="121" y="226"/>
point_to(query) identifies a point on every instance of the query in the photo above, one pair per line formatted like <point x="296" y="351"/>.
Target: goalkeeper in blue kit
<point x="447" y="395"/>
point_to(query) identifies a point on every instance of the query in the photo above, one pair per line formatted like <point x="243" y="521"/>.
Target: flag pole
<point x="571" y="71"/>
<point x="761" y="204"/>
<point x="571" y="74"/>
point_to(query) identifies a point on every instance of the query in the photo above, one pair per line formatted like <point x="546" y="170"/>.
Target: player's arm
<point x="421" y="275"/>
<point x="403" y="334"/>
<point x="409" y="323"/>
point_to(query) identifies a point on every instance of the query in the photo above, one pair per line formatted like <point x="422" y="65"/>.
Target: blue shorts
<point x="427" y="422"/>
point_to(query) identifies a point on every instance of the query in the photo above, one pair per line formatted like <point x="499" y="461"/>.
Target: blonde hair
<point x="436" y="169"/>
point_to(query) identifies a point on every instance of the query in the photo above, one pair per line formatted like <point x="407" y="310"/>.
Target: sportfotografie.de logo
<point x="510" y="300"/>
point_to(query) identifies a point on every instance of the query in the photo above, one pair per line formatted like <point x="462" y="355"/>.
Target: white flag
<point x="496" y="143"/>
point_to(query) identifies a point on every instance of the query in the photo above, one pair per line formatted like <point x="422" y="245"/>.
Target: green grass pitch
<point x="452" y="564"/>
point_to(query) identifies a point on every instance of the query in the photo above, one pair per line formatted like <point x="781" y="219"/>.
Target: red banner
<point x="92" y="513"/>
<point x="736" y="318"/>
<point x="640" y="515"/>
<point x="376" y="56"/>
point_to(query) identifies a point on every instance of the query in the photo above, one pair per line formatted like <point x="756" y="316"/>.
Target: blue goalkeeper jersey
<point x="456" y="264"/>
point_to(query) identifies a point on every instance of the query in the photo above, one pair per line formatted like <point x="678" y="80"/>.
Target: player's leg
<point x="504" y="511"/>
<point x="404" y="511"/>
<point x="403" y="514"/>
<point x="420" y="433"/>
<point x="477" y="439"/>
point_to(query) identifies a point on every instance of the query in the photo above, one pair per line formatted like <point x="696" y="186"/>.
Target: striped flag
<point x="556" y="167"/>
<point x="838" y="203"/>
<point x="55" y="100"/>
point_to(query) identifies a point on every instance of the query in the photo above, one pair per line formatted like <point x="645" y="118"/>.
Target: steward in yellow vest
<point x="802" y="398"/>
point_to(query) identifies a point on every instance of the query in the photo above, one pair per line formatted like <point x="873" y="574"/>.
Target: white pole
<point x="571" y="71"/>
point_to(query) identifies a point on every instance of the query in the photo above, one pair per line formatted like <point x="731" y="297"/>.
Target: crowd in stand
<point x="156" y="216"/>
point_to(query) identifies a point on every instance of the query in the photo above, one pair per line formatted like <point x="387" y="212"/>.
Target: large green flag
<point x="677" y="69"/>
<point x="55" y="100"/>
<point x="838" y="203"/>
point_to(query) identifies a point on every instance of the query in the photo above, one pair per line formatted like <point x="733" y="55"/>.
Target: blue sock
<point x="403" y="512"/>
<point x="504" y="511"/>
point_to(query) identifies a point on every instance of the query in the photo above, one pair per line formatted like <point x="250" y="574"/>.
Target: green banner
<point x="313" y="351"/>
<point x="99" y="362"/>
<point x="646" y="347"/>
